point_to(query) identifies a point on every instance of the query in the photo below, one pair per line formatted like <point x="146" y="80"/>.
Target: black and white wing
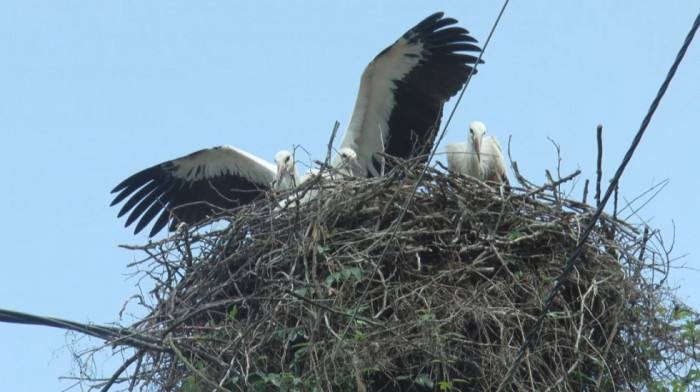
<point x="193" y="187"/>
<point x="402" y="91"/>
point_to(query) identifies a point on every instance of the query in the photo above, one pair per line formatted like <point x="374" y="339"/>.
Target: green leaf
<point x="232" y="313"/>
<point x="514" y="235"/>
<point x="423" y="380"/>
<point x="330" y="279"/>
<point x="350" y="272"/>
<point x="357" y="273"/>
<point x="189" y="385"/>
<point x="682" y="313"/>
<point x="427" y="317"/>
<point x="557" y="315"/>
<point x="515" y="262"/>
<point x="304" y="291"/>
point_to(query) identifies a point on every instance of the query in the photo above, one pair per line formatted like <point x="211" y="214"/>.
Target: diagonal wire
<point x="422" y="174"/>
<point x="613" y="184"/>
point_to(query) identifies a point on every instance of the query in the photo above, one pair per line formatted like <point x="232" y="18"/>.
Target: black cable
<point x="422" y="174"/>
<point x="613" y="184"/>
<point x="99" y="331"/>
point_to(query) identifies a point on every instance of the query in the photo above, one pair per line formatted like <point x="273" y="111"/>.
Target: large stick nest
<point x="332" y="295"/>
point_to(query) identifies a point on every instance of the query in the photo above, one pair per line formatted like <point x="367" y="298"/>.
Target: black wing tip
<point x="131" y="180"/>
<point x="136" y="230"/>
<point x="141" y="225"/>
<point x="434" y="32"/>
<point x="137" y="190"/>
<point x="136" y="181"/>
<point x="435" y="16"/>
<point x="123" y="193"/>
<point x="429" y="24"/>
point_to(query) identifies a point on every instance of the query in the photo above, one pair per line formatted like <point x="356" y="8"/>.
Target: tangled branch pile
<point x="331" y="295"/>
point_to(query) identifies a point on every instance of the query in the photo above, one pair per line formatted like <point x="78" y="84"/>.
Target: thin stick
<point x="555" y="191"/>
<point x="187" y="363"/>
<point x="121" y="369"/>
<point x="599" y="171"/>
<point x="617" y="191"/>
<point x="554" y="184"/>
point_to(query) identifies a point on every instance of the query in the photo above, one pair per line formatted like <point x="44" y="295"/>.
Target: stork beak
<point x="477" y="147"/>
<point x="356" y="168"/>
<point x="280" y="176"/>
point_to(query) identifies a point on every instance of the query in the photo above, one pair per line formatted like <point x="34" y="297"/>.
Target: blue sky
<point x="92" y="92"/>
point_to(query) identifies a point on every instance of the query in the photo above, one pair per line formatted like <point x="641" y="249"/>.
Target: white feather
<point x="224" y="160"/>
<point x="375" y="101"/>
<point x="485" y="163"/>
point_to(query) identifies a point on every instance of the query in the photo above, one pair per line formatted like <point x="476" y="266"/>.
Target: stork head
<point x="287" y="176"/>
<point x="477" y="129"/>
<point x="350" y="165"/>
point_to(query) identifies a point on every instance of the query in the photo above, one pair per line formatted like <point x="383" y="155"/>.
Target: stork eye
<point x="286" y="160"/>
<point x="471" y="131"/>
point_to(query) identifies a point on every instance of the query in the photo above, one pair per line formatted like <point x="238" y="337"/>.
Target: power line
<point x="422" y="174"/>
<point x="613" y="184"/>
<point x="103" y="332"/>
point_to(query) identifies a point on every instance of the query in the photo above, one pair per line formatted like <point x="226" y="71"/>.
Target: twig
<point x="514" y="165"/>
<point x="599" y="163"/>
<point x="553" y="185"/>
<point x="169" y="340"/>
<point x="329" y="151"/>
<point x="121" y="369"/>
<point x="555" y="189"/>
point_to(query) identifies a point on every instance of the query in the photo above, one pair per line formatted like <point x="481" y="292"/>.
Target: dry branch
<point x="266" y="298"/>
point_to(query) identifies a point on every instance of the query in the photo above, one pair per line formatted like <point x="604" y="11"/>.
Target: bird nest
<point x="385" y="285"/>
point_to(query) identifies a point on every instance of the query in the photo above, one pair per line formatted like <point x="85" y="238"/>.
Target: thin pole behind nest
<point x="613" y="185"/>
<point x="420" y="177"/>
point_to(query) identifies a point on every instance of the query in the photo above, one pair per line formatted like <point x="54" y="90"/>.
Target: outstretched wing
<point x="402" y="91"/>
<point x="193" y="187"/>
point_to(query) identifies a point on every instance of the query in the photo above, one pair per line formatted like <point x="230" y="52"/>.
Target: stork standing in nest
<point x="480" y="157"/>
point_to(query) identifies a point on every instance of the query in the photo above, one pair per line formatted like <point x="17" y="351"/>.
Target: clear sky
<point x="91" y="92"/>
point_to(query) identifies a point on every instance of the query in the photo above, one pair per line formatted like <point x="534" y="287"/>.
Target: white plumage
<point x="480" y="157"/>
<point x="348" y="165"/>
<point x="397" y="111"/>
<point x="402" y="92"/>
<point x="287" y="172"/>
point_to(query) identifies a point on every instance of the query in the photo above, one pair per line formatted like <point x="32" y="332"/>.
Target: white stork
<point x="348" y="165"/>
<point x="196" y="186"/>
<point x="397" y="111"/>
<point x="480" y="157"/>
<point x="402" y="92"/>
